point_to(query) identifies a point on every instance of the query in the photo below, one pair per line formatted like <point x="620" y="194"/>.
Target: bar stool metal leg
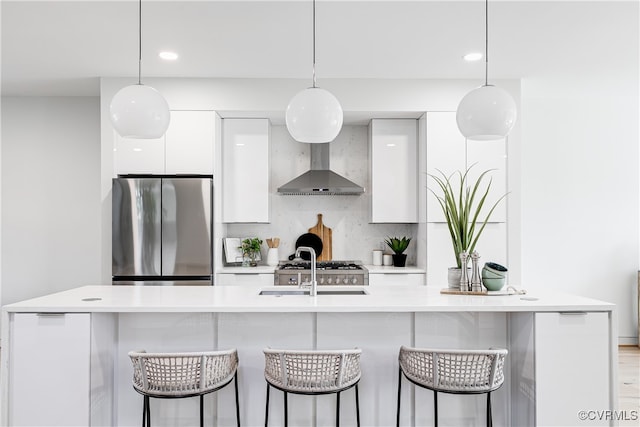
<point x="435" y="406"/>
<point x="201" y="410"/>
<point x="286" y="410"/>
<point x="489" y="417"/>
<point x="266" y="412"/>
<point x="145" y="411"/>
<point x="357" y="407"/>
<point x="237" y="401"/>
<point x="338" y="409"/>
<point x="399" y="391"/>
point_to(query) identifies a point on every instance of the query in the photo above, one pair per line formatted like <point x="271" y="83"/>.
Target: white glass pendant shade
<point x="139" y="111"/>
<point x="314" y="115"/>
<point x="486" y="113"/>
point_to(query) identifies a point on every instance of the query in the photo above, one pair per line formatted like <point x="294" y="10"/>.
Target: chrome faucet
<point x="313" y="283"/>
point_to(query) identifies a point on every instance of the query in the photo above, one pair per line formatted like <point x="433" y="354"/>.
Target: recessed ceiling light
<point x="474" y="56"/>
<point x="169" y="56"/>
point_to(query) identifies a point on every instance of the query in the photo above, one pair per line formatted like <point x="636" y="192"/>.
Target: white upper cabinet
<point x="189" y="143"/>
<point x="186" y="148"/>
<point x="245" y="170"/>
<point x="138" y="156"/>
<point x="394" y="170"/>
<point x="448" y="151"/>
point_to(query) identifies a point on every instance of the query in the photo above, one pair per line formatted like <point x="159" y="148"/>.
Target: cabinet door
<point x="50" y="352"/>
<point x="416" y="279"/>
<point x="190" y="142"/>
<point x="233" y="279"/>
<point x="394" y="170"/>
<point x="490" y="155"/>
<point x="245" y="170"/>
<point x="138" y="156"/>
<point x="446" y="152"/>
<point x="572" y="368"/>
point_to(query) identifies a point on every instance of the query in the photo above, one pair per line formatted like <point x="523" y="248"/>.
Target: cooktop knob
<point x="330" y="280"/>
<point x="345" y="280"/>
<point x="354" y="280"/>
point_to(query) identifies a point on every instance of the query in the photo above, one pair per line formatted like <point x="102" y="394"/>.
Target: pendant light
<point x="314" y="115"/>
<point x="139" y="111"/>
<point x="487" y="112"/>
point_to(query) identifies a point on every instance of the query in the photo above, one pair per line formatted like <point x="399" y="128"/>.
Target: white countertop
<point x="394" y="298"/>
<point x="390" y="269"/>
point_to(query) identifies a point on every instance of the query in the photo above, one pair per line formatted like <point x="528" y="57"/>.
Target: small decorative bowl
<point x="496" y="268"/>
<point x="491" y="274"/>
<point x="494" y="284"/>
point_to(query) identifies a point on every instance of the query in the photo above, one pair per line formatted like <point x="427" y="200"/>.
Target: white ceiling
<point x="62" y="47"/>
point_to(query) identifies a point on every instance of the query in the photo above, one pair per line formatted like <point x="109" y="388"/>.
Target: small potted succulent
<point x="251" y="249"/>
<point x="398" y="246"/>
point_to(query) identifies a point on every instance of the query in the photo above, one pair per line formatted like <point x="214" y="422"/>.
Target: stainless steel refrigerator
<point x="162" y="230"/>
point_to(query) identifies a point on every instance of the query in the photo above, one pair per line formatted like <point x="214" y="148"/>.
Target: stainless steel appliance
<point x="335" y="273"/>
<point x="162" y="230"/>
<point x="320" y="179"/>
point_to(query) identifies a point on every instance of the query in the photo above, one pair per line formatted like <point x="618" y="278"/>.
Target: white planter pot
<point x="453" y="277"/>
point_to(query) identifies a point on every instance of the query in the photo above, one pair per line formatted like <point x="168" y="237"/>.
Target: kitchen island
<point x="66" y="353"/>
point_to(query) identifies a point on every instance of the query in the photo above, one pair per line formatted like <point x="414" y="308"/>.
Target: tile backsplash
<point x="348" y="216"/>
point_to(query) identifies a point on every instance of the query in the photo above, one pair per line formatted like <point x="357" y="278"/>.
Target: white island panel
<point x="50" y="381"/>
<point x="462" y="331"/>
<point x="160" y="332"/>
<point x="380" y="336"/>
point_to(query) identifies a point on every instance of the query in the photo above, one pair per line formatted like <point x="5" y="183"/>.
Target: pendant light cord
<point x="314" y="43"/>
<point x="139" y="42"/>
<point x="486" y="43"/>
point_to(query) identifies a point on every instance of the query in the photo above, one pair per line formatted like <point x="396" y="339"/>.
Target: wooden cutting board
<point x="324" y="233"/>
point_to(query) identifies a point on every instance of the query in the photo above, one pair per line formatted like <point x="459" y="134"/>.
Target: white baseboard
<point x="627" y="340"/>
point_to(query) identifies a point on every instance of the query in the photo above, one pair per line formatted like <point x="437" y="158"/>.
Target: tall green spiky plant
<point x="458" y="203"/>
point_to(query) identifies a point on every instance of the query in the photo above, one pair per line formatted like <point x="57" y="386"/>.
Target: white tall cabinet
<point x="245" y="170"/>
<point x="448" y="151"/>
<point x="394" y="170"/>
<point x="186" y="148"/>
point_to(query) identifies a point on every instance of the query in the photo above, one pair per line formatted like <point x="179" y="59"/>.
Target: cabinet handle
<point x="573" y="313"/>
<point x="50" y="314"/>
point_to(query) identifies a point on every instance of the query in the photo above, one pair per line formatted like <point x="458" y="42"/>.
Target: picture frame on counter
<point x="231" y="246"/>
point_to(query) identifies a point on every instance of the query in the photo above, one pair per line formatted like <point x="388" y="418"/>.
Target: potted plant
<point x="250" y="249"/>
<point x="462" y="202"/>
<point x="398" y="246"/>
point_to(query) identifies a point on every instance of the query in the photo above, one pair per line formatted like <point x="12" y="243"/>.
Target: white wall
<point x="50" y="195"/>
<point x="580" y="190"/>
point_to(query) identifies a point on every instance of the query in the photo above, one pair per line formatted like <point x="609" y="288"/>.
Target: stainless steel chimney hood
<point x="320" y="180"/>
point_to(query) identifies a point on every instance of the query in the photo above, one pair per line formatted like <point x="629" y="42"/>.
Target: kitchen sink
<point x="297" y="291"/>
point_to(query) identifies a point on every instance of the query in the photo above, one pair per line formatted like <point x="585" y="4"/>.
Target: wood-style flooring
<point x="629" y="384"/>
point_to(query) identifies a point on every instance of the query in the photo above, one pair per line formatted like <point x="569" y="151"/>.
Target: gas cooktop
<point x="322" y="265"/>
<point x="328" y="273"/>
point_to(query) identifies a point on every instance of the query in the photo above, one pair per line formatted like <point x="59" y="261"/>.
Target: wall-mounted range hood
<point x="320" y="180"/>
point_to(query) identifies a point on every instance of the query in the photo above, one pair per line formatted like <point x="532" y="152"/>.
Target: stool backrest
<point x="469" y="371"/>
<point x="312" y="371"/>
<point x="179" y="374"/>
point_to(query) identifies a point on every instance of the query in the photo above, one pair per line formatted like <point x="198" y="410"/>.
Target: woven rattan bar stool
<point x="312" y="373"/>
<point x="180" y="375"/>
<point x="452" y="371"/>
